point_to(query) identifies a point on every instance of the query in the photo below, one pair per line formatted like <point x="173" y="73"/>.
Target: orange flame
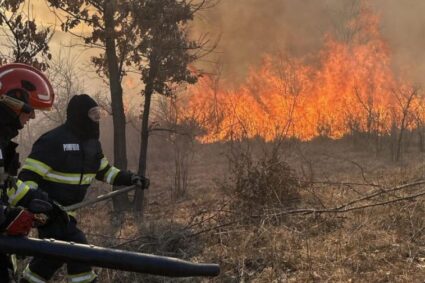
<point x="351" y="87"/>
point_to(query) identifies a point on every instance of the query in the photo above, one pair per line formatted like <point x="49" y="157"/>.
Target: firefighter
<point x="22" y="89"/>
<point x="63" y="163"/>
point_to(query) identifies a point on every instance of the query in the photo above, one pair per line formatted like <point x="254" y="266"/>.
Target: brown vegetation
<point x="255" y="237"/>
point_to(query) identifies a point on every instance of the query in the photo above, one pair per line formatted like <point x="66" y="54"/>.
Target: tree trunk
<point x="421" y="139"/>
<point x="139" y="196"/>
<point x="399" y="144"/>
<point x="143" y="157"/>
<point x="404" y="123"/>
<point x="120" y="154"/>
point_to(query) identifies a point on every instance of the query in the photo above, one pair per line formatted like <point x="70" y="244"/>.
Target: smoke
<point x="248" y="29"/>
<point x="404" y="27"/>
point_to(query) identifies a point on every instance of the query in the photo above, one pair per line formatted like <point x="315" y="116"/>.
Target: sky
<point x="246" y="30"/>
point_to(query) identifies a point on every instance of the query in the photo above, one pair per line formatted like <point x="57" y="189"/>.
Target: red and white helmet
<point x="26" y="78"/>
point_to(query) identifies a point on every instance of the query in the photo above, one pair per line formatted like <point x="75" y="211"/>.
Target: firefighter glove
<point x="40" y="208"/>
<point x="33" y="194"/>
<point x="37" y="194"/>
<point x="140" y="181"/>
<point x="58" y="214"/>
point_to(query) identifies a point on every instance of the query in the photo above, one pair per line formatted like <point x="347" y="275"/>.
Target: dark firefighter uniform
<point x="63" y="163"/>
<point x="22" y="89"/>
<point x="9" y="164"/>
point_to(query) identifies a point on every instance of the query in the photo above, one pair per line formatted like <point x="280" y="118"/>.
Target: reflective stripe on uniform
<point x="36" y="166"/>
<point x="47" y="173"/>
<point x="103" y="163"/>
<point x="110" y="175"/>
<point x="32" y="184"/>
<point x="14" y="263"/>
<point x="82" y="277"/>
<point x="17" y="192"/>
<point x="69" y="178"/>
<point x="87" y="179"/>
<point x="72" y="213"/>
<point x="32" y="277"/>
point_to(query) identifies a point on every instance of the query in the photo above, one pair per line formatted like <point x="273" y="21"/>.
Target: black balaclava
<point x="9" y="123"/>
<point x="9" y="119"/>
<point x="77" y="117"/>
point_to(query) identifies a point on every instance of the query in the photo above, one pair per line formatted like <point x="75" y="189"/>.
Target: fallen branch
<point x="344" y="183"/>
<point x="381" y="192"/>
<point x="343" y="208"/>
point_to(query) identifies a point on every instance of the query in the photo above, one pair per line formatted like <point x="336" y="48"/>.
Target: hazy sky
<point x="248" y="29"/>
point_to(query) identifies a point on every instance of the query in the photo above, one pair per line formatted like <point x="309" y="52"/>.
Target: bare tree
<point x="420" y="123"/>
<point x="372" y="115"/>
<point x="404" y="97"/>
<point x="22" y="41"/>
<point x="66" y="80"/>
<point x="167" y="51"/>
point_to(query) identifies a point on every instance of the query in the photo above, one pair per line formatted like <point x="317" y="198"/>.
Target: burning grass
<point x="349" y="86"/>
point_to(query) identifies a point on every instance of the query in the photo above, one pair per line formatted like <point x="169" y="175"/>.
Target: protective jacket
<point x="9" y="164"/>
<point x="11" y="189"/>
<point x="63" y="165"/>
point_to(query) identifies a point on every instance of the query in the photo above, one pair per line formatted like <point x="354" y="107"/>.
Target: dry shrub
<point x="263" y="186"/>
<point x="249" y="241"/>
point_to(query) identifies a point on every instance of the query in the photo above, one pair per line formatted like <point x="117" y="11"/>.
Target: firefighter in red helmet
<point x="22" y="90"/>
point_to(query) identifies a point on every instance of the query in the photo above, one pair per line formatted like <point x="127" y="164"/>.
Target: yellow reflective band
<point x="32" y="277"/>
<point x="31" y="184"/>
<point x="87" y="179"/>
<point x="110" y="175"/>
<point x="14" y="263"/>
<point x="36" y="166"/>
<point x="103" y="163"/>
<point x="69" y="178"/>
<point x="72" y="213"/>
<point x="54" y="176"/>
<point x="82" y="277"/>
<point x="16" y="195"/>
<point x="11" y="191"/>
<point x="64" y="178"/>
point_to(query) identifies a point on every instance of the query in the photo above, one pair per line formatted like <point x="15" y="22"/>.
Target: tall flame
<point x="349" y="86"/>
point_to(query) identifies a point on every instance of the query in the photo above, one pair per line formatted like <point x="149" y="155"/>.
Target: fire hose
<point x="105" y="257"/>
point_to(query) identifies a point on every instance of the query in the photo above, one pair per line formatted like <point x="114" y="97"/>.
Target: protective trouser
<point x="41" y="269"/>
<point x="5" y="265"/>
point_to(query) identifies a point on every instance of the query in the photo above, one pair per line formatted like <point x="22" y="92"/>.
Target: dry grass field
<point x="323" y="211"/>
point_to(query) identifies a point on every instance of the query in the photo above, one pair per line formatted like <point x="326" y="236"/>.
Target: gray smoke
<point x="248" y="29"/>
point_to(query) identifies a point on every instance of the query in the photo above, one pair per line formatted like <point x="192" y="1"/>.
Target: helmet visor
<point x="96" y="114"/>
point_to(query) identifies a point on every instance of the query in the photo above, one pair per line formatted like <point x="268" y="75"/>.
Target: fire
<point x="348" y="87"/>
